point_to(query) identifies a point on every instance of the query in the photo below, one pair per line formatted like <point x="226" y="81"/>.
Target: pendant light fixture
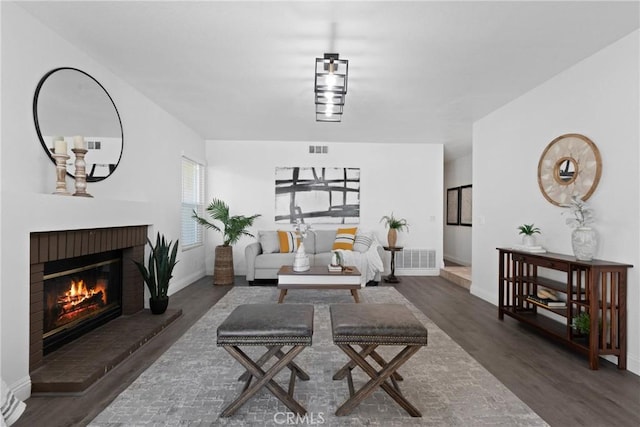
<point x="330" y="87"/>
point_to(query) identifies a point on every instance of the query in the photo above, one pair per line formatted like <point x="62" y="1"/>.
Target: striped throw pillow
<point x="363" y="242"/>
<point x="289" y="241"/>
<point x="345" y="238"/>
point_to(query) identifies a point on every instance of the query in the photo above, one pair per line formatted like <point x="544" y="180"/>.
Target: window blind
<point x="192" y="199"/>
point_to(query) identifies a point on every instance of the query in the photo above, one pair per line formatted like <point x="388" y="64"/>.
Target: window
<point x="192" y="199"/>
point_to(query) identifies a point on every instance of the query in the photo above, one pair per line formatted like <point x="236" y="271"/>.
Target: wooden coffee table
<point x="318" y="277"/>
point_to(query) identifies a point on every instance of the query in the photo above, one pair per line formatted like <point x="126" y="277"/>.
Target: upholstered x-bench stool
<point x="273" y="326"/>
<point x="369" y="326"/>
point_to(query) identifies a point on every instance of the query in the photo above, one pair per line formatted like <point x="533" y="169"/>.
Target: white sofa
<point x="318" y="245"/>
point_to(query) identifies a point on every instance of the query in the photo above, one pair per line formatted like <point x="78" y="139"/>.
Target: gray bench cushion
<point x="268" y="324"/>
<point x="384" y="324"/>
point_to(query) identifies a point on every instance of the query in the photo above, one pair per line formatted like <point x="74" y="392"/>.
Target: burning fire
<point x="79" y="296"/>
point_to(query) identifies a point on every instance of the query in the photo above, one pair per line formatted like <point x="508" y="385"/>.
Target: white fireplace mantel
<point x="23" y="214"/>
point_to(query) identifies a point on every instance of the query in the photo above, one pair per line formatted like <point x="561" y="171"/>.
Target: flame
<point x="78" y="292"/>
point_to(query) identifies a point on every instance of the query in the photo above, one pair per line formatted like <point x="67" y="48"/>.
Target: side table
<point x="392" y="277"/>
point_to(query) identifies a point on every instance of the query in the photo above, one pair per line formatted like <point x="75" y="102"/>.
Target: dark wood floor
<point x="65" y="410"/>
<point x="554" y="381"/>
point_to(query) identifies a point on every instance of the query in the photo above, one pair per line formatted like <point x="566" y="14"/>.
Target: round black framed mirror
<point x="69" y="102"/>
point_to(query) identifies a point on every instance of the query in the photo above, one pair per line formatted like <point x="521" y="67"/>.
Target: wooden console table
<point x="598" y="288"/>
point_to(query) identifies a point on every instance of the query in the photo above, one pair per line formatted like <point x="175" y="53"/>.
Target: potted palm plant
<point x="233" y="227"/>
<point x="158" y="272"/>
<point x="394" y="224"/>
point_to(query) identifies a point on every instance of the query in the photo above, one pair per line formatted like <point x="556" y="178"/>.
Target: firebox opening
<point x="80" y="294"/>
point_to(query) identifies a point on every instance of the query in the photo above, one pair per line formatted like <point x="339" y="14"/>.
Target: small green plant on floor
<point x="582" y="323"/>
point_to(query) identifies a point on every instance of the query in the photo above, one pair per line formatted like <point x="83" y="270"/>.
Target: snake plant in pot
<point x="158" y="272"/>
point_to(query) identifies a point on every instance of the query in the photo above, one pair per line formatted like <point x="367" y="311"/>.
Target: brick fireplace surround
<point x="51" y="373"/>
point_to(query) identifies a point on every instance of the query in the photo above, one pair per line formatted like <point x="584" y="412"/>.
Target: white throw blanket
<point x="368" y="263"/>
<point x="12" y="408"/>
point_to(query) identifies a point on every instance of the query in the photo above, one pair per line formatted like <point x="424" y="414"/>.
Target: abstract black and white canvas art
<point x="318" y="195"/>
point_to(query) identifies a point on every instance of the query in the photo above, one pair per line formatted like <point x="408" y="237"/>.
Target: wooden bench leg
<point x="276" y="351"/>
<point x="378" y="379"/>
<point x="367" y="350"/>
<point x="342" y="372"/>
<point x="263" y="379"/>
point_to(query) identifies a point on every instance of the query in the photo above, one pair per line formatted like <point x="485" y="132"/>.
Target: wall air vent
<point x="318" y="149"/>
<point x="416" y="259"/>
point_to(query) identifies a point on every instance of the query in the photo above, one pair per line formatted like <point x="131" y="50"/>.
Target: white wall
<point x="598" y="97"/>
<point x="145" y="189"/>
<point x="403" y="178"/>
<point x="457" y="238"/>
<point x="1" y="201"/>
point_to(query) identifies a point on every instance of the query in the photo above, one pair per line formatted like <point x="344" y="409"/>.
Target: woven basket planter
<point x="223" y="266"/>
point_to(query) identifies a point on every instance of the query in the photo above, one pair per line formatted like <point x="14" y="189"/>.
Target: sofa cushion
<point x="322" y="258"/>
<point x="345" y="238"/>
<point x="363" y="242"/>
<point x="269" y="242"/>
<point x="310" y="243"/>
<point x="289" y="241"/>
<point x="273" y="261"/>
<point x="324" y="240"/>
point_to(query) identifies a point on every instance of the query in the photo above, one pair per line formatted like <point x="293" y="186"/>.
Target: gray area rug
<point x="194" y="380"/>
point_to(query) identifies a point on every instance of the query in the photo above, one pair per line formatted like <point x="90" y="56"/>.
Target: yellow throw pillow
<point x="345" y="238"/>
<point x="289" y="241"/>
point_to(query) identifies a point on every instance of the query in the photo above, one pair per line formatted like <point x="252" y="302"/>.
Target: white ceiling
<point x="420" y="71"/>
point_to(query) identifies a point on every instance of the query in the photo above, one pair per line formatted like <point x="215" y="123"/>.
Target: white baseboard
<point x="416" y="272"/>
<point x="186" y="281"/>
<point x="22" y="388"/>
<point x="490" y="297"/>
<point x="633" y="363"/>
<point x="463" y="262"/>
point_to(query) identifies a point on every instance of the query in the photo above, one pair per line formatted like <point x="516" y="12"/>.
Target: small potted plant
<point x="582" y="323"/>
<point x="394" y="224"/>
<point x="158" y="272"/>
<point x="336" y="259"/>
<point x="528" y="231"/>
<point x="232" y="229"/>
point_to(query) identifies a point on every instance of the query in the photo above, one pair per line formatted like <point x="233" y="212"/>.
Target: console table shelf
<point x="598" y="288"/>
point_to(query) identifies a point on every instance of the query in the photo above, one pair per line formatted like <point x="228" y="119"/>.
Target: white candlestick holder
<point x="61" y="174"/>
<point x="81" y="173"/>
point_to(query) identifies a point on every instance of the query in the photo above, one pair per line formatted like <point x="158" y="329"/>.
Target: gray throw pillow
<point x="269" y="242"/>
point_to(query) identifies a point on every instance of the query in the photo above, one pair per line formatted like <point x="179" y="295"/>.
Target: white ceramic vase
<point x="529" y="240"/>
<point x="584" y="241"/>
<point x="301" y="259"/>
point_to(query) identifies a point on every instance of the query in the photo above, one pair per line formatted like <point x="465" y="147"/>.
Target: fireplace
<point x="81" y="279"/>
<point x="80" y="294"/>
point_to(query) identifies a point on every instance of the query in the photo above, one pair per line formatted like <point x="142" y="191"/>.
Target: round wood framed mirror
<point x="569" y="165"/>
<point x="70" y="102"/>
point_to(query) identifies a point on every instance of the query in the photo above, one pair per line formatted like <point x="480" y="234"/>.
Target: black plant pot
<point x="159" y="305"/>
